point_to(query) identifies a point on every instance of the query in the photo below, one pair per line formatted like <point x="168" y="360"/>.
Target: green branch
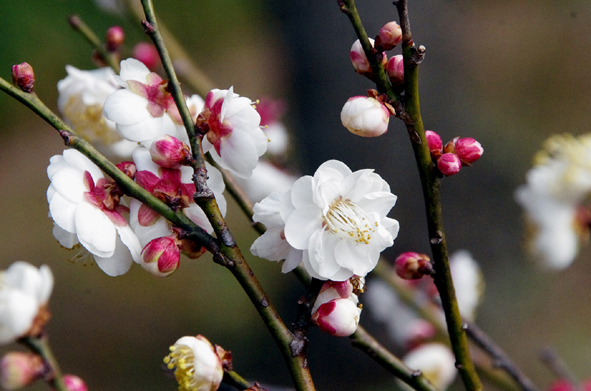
<point x="40" y="346"/>
<point x="231" y="255"/>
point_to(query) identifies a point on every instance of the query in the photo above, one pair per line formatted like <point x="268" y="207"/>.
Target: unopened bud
<point x="365" y="117"/>
<point x="338" y="317"/>
<point x="114" y="39"/>
<point x="450" y="147"/>
<point x="434" y="143"/>
<point x="412" y="266"/>
<point x="147" y="54"/>
<point x="359" y="60"/>
<point x="128" y="169"/>
<point x="449" y="164"/>
<point x="170" y="152"/>
<point x="468" y="150"/>
<point x="23" y="76"/>
<point x="395" y="70"/>
<point x="74" y="383"/>
<point x="389" y="36"/>
<point x="19" y="370"/>
<point x="161" y="257"/>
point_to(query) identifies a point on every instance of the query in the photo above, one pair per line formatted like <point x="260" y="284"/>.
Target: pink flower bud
<point x="170" y="152"/>
<point x="449" y="164"/>
<point x="412" y="266"/>
<point x="161" y="256"/>
<point x="147" y="54"/>
<point x="338" y="317"/>
<point x="389" y="36"/>
<point x="74" y="383"/>
<point x="23" y="76"/>
<point x="359" y="60"/>
<point x="365" y="117"/>
<point x="395" y="70"/>
<point x="128" y="168"/>
<point x="468" y="150"/>
<point x="434" y="143"/>
<point x="115" y="38"/>
<point x="18" y="370"/>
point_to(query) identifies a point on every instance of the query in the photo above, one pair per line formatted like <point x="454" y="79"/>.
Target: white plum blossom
<point x="435" y="361"/>
<point x="82" y="95"/>
<point x="143" y="110"/>
<point x="197" y="366"/>
<point x="365" y="116"/>
<point x="337" y="218"/>
<point x="174" y="183"/>
<point x="272" y="244"/>
<point x="24" y="291"/>
<point x="553" y="197"/>
<point x="234" y="137"/>
<point x="86" y="211"/>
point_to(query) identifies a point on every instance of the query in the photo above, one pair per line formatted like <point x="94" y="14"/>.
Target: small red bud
<point x="412" y="266"/>
<point x="23" y="77"/>
<point x="395" y="70"/>
<point x="161" y="256"/>
<point x="468" y="150"/>
<point x="19" y="370"/>
<point x="389" y="36"/>
<point x="434" y="143"/>
<point x="170" y="152"/>
<point x="114" y="39"/>
<point x="147" y="54"/>
<point x="449" y="164"/>
<point x="74" y="383"/>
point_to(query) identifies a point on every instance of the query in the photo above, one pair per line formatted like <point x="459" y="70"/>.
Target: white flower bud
<point x="365" y="117"/>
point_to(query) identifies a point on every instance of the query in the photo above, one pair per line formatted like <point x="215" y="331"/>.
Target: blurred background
<point x="508" y="73"/>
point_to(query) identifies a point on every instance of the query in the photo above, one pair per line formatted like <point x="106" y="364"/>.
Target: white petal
<point x="132" y="69"/>
<point x="301" y="225"/>
<point x="66" y="239"/>
<point x="129" y="239"/>
<point x="118" y="263"/>
<point x="293" y="260"/>
<point x="46" y="286"/>
<point x="270" y="246"/>
<point x="239" y="153"/>
<point x="321" y="251"/>
<point x="143" y="161"/>
<point x="267" y="211"/>
<point x="69" y="183"/>
<point x="378" y="202"/>
<point x="196" y="214"/>
<point x="125" y="108"/>
<point x="17" y="311"/>
<point x="82" y="163"/>
<point x="95" y="231"/>
<point x="63" y="212"/>
<point x="302" y="192"/>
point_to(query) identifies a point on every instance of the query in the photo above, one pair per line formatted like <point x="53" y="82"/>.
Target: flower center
<point x="347" y="220"/>
<point x="182" y="358"/>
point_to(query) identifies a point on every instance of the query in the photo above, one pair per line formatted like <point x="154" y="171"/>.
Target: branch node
<point x="265" y="302"/>
<point x="148" y="27"/>
<point x="417" y="55"/>
<point x="416" y="373"/>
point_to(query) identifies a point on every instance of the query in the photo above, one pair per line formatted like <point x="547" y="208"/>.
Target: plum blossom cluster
<point x="458" y="152"/>
<point x="413" y="333"/>
<point x="334" y="222"/>
<point x="554" y="200"/>
<point x="369" y="116"/>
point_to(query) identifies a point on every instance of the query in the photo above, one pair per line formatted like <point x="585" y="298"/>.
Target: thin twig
<point x="500" y="358"/>
<point x="40" y="346"/>
<point x="84" y="30"/>
<point x="234" y="379"/>
<point x="559" y="367"/>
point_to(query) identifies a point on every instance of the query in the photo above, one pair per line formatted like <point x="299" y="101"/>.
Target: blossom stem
<point x="373" y="56"/>
<point x="364" y="341"/>
<point x="86" y="32"/>
<point x="125" y="183"/>
<point x="40" y="345"/>
<point x="185" y="67"/>
<point x="229" y="254"/>
<point x="234" y="379"/>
